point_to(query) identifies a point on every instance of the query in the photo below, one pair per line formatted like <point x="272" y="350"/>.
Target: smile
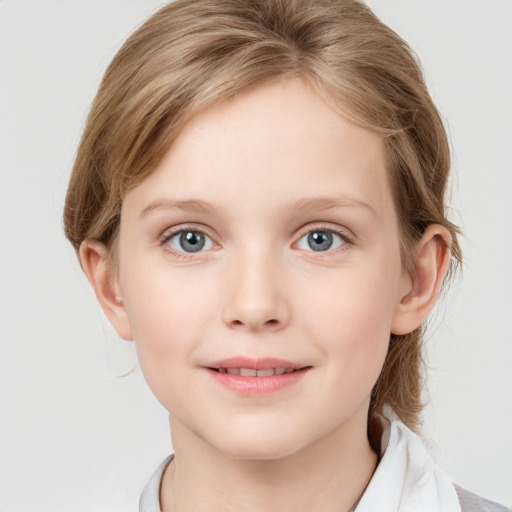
<point x="253" y="372"/>
<point x="250" y="377"/>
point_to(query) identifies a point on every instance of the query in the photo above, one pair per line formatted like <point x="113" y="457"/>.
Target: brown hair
<point x="193" y="53"/>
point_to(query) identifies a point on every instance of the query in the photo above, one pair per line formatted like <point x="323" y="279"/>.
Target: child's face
<point x="267" y="231"/>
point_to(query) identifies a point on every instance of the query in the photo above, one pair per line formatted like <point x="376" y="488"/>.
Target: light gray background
<point x="73" y="436"/>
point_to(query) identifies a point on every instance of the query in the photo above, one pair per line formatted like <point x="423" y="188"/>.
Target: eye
<point x="189" y="240"/>
<point x="321" y="240"/>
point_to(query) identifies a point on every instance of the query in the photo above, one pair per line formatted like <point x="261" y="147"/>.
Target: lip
<point x="256" y="386"/>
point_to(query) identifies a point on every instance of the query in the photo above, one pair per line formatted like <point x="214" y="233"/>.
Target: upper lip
<point x="264" y="363"/>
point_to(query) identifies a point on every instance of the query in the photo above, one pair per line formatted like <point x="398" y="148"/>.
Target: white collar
<point x="406" y="480"/>
<point x="150" y="497"/>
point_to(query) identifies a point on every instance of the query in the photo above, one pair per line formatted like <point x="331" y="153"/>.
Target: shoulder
<point x="470" y="502"/>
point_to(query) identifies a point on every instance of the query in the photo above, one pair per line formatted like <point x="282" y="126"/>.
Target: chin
<point x="268" y="442"/>
<point x="260" y="450"/>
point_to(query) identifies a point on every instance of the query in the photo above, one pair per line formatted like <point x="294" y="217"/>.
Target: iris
<point x="320" y="240"/>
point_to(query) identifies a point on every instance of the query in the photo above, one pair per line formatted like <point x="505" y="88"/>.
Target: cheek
<point x="167" y="313"/>
<point x="350" y="321"/>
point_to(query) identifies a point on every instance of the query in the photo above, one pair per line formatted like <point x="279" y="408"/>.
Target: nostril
<point x="268" y="323"/>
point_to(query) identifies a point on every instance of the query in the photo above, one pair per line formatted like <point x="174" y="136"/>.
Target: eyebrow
<point x="189" y="205"/>
<point x="318" y="204"/>
<point x="304" y="205"/>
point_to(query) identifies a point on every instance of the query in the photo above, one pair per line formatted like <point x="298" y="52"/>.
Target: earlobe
<point x="102" y="276"/>
<point x="431" y="258"/>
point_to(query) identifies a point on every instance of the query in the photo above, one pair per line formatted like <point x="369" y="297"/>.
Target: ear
<point x="103" y="278"/>
<point x="431" y="258"/>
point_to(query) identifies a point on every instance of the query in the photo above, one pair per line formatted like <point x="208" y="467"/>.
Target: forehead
<point x="274" y="140"/>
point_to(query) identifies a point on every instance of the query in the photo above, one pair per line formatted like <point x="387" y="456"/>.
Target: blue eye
<point x="189" y="240"/>
<point x="321" y="240"/>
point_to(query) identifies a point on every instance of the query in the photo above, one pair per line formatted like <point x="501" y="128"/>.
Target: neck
<point x="329" y="476"/>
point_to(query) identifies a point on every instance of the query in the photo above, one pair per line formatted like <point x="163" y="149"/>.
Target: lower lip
<point x="257" y="386"/>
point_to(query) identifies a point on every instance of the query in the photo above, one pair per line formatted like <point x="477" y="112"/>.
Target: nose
<point x="256" y="296"/>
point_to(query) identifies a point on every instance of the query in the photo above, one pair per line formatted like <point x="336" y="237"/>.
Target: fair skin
<point x="289" y="206"/>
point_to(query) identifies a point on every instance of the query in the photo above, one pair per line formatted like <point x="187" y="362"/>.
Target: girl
<point x="258" y="200"/>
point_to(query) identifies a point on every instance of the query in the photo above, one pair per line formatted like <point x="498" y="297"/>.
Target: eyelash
<point x="347" y="238"/>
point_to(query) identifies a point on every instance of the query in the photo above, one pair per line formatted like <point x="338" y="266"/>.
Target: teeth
<point x="251" y="372"/>
<point x="265" y="373"/>
<point x="248" y="372"/>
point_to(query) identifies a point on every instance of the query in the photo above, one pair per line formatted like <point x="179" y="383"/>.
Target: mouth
<point x="253" y="372"/>
<point x="254" y="377"/>
<point x="255" y="367"/>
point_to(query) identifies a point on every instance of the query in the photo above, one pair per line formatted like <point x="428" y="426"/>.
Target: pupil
<point x="320" y="240"/>
<point x="192" y="241"/>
